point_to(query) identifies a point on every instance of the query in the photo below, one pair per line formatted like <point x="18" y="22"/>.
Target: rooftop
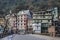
<point x="24" y="12"/>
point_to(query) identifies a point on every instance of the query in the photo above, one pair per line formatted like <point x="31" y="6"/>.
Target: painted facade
<point x="22" y="18"/>
<point x="11" y="21"/>
<point x="46" y="18"/>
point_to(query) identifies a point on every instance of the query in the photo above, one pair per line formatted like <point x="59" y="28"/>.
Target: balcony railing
<point x="41" y="18"/>
<point x="43" y="14"/>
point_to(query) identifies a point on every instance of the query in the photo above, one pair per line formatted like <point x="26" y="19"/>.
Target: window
<point x="18" y="24"/>
<point x="21" y="21"/>
<point x="18" y="21"/>
<point x="54" y="12"/>
<point x="33" y="21"/>
<point x="36" y="20"/>
<point x="44" y="25"/>
<point x="21" y="15"/>
<point x="37" y="27"/>
<point x="18" y="18"/>
<point x="39" y="20"/>
<point x="21" y="18"/>
<point x="46" y="16"/>
<point x="40" y="16"/>
<point x="43" y="16"/>
<point x="36" y="16"/>
<point x="44" y="21"/>
<point x="40" y="13"/>
<point x="24" y="15"/>
<point x="14" y="21"/>
<point x="24" y="20"/>
<point x="21" y="24"/>
<point x="44" y="13"/>
<point x="48" y="20"/>
<point x="24" y="24"/>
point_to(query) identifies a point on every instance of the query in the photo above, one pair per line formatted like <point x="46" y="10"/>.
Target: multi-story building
<point x="19" y="20"/>
<point x="11" y="21"/>
<point x="22" y="19"/>
<point x="2" y="22"/>
<point x="55" y="13"/>
<point x="45" y="18"/>
<point x="2" y="25"/>
<point x="30" y="28"/>
<point x="36" y="28"/>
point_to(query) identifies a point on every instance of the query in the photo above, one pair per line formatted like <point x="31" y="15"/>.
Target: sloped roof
<point x="27" y="12"/>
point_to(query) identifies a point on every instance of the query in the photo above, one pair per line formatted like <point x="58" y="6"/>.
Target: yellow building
<point x="2" y="21"/>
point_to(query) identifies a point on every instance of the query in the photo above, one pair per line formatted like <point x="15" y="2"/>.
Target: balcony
<point x="38" y="14"/>
<point x="41" y="18"/>
<point x="47" y="14"/>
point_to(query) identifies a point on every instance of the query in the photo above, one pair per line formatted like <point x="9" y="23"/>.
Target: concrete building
<point x="2" y="25"/>
<point x="36" y="28"/>
<point x="43" y="17"/>
<point x="2" y="22"/>
<point x="46" y="18"/>
<point x="22" y="19"/>
<point x="11" y="21"/>
<point x="30" y="28"/>
<point x="55" y="13"/>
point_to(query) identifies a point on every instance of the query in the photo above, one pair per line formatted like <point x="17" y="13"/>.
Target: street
<point x="28" y="37"/>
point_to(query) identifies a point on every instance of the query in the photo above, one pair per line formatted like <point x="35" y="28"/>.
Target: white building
<point x="55" y="13"/>
<point x="45" y="18"/>
<point x="11" y="21"/>
<point x="36" y="28"/>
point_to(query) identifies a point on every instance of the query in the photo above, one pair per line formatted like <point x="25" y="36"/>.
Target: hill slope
<point x="32" y="4"/>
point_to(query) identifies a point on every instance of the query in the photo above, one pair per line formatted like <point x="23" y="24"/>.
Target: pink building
<point x="19" y="21"/>
<point x="22" y="18"/>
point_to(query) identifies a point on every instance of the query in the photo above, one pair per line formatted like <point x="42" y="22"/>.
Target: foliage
<point x="34" y="5"/>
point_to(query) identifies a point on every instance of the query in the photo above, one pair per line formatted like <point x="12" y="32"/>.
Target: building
<point x="55" y="13"/>
<point x="30" y="28"/>
<point x="46" y="18"/>
<point x="43" y="17"/>
<point x="2" y="25"/>
<point x="11" y="21"/>
<point x="1" y="31"/>
<point x="36" y="28"/>
<point x="2" y="22"/>
<point x="19" y="20"/>
<point x="52" y="31"/>
<point x="22" y="20"/>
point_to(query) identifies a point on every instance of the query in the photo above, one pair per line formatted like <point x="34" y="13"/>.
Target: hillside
<point x="34" y="5"/>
